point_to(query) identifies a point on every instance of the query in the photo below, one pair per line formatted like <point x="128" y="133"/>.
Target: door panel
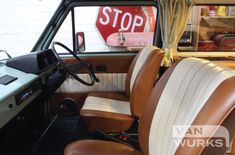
<point x="108" y="82"/>
<point x="114" y="64"/>
<point x="111" y="71"/>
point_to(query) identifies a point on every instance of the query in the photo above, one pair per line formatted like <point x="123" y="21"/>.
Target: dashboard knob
<point x="10" y="106"/>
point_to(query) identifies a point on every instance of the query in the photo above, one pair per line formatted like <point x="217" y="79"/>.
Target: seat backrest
<point x="233" y="147"/>
<point x="141" y="77"/>
<point x="191" y="92"/>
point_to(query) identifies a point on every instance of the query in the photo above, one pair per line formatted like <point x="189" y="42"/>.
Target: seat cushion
<point x="107" y="105"/>
<point x="98" y="147"/>
<point x="109" y="112"/>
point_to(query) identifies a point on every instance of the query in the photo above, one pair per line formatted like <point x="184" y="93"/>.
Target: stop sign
<point x="111" y="19"/>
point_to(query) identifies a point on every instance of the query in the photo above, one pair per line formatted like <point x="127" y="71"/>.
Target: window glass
<point x="210" y="28"/>
<point x="114" y="28"/>
<point x="64" y="34"/>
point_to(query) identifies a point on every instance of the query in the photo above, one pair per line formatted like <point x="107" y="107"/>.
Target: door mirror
<point x="80" y="42"/>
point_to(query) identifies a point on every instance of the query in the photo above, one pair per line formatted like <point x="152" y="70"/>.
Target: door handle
<point x="101" y="68"/>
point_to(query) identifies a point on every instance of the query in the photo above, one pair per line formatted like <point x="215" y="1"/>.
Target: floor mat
<point x="65" y="130"/>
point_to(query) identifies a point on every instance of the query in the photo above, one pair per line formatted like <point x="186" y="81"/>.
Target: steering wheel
<point x="82" y="64"/>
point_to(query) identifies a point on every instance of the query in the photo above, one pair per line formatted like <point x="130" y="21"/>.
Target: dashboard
<point x="9" y="106"/>
<point x="24" y="79"/>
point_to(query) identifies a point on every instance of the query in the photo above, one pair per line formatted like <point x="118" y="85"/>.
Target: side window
<point x="114" y="28"/>
<point x="64" y="33"/>
<point x="210" y="28"/>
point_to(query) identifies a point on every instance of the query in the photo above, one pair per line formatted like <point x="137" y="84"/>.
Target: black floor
<point x="24" y="140"/>
<point x="66" y="129"/>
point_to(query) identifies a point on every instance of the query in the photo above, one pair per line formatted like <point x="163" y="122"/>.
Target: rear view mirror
<point x="80" y="42"/>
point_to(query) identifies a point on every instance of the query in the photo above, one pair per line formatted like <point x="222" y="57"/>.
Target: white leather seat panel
<point x="114" y="82"/>
<point x="107" y="105"/>
<point x="191" y="84"/>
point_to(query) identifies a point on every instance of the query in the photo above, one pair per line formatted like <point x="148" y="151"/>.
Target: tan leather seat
<point x="114" y="112"/>
<point x="191" y="92"/>
<point x="233" y="147"/>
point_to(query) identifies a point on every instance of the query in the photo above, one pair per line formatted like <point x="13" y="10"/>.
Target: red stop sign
<point x="111" y="19"/>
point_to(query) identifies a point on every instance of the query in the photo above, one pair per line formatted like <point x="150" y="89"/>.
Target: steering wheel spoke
<point x="71" y="69"/>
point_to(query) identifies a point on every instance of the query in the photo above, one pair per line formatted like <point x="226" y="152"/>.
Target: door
<point x="108" y="37"/>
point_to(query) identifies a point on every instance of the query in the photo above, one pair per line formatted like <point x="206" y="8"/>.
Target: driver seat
<point x="114" y="112"/>
<point x="192" y="94"/>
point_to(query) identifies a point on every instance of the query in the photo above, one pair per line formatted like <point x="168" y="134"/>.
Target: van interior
<point x="131" y="77"/>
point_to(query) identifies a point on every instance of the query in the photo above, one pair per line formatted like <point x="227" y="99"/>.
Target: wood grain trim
<point x="115" y="64"/>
